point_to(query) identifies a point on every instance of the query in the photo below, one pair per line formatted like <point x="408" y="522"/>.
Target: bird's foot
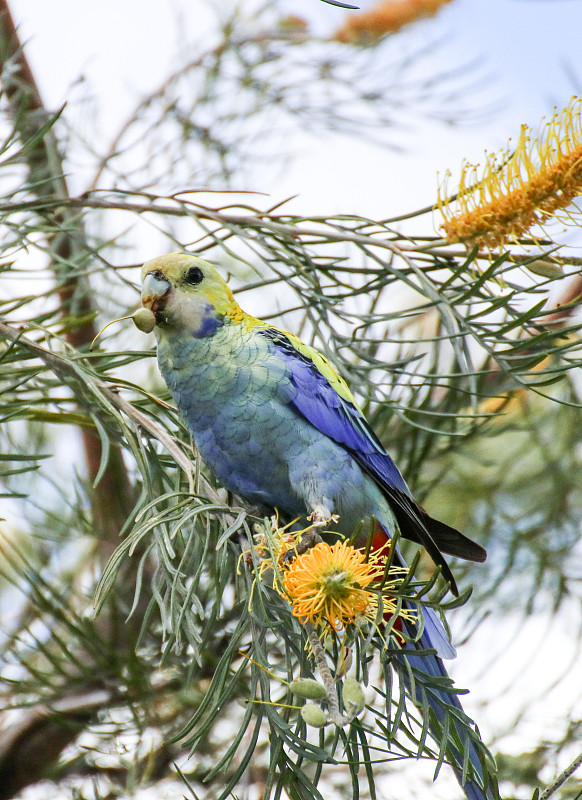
<point x="310" y="536"/>
<point x="319" y="520"/>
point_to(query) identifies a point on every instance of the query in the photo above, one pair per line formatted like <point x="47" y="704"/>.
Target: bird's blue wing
<point x="316" y="398"/>
<point x="319" y="395"/>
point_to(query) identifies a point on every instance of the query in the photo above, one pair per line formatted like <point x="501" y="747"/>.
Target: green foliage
<point x="187" y="651"/>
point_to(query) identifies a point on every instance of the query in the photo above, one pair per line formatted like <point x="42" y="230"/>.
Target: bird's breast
<point x="228" y="389"/>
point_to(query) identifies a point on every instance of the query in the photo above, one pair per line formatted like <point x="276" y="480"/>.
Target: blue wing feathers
<point x="312" y="396"/>
<point x="316" y="400"/>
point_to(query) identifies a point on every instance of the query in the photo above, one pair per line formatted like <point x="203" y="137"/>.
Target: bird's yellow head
<point x="184" y="291"/>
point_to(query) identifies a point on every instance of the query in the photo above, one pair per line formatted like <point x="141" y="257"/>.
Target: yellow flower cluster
<point x="518" y="189"/>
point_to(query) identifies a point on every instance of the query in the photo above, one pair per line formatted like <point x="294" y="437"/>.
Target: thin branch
<point x="30" y="746"/>
<point x="562" y="778"/>
<point x="330" y="686"/>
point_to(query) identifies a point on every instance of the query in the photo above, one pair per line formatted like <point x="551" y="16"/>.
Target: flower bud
<point x="353" y="697"/>
<point x="313" y="715"/>
<point x="144" y="320"/>
<point x="308" y="688"/>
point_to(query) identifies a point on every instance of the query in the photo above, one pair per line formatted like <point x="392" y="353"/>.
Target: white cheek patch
<point x="194" y="313"/>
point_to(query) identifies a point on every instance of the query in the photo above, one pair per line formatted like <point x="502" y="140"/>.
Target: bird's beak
<point x="154" y="291"/>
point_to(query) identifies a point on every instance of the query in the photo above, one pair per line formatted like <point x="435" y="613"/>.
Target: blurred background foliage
<point x="465" y="362"/>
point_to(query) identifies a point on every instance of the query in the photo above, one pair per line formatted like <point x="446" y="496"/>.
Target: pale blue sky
<point x="125" y="47"/>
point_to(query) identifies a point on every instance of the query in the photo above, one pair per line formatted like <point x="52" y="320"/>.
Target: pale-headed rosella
<point x="279" y="427"/>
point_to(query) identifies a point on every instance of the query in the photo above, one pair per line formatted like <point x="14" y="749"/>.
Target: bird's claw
<point x="310" y="536"/>
<point x="318" y="520"/>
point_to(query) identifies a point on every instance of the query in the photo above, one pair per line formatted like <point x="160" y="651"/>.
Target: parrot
<point x="279" y="427"/>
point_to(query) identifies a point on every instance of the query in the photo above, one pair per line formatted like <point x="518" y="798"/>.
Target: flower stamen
<point x="517" y="190"/>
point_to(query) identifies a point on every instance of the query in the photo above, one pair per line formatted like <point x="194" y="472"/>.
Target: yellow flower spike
<point x="328" y="584"/>
<point x="516" y="190"/>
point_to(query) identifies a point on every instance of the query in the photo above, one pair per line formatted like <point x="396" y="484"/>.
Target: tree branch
<point x="33" y="747"/>
<point x="112" y="499"/>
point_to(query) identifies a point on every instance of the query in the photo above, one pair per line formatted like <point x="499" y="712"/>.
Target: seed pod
<point x="545" y="268"/>
<point x="309" y="689"/>
<point x="313" y="715"/>
<point x="353" y="697"/>
<point x="144" y="320"/>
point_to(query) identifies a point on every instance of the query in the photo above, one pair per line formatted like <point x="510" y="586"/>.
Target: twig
<point x="562" y="778"/>
<point x="326" y="676"/>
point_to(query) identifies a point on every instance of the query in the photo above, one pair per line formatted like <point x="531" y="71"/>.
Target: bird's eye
<point x="194" y="276"/>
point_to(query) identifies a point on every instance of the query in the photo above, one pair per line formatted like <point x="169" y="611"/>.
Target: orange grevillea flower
<point x="328" y="585"/>
<point x="387" y="16"/>
<point x="520" y="188"/>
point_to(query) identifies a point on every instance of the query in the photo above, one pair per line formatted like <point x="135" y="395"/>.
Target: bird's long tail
<point x="431" y="688"/>
<point x="430" y="685"/>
